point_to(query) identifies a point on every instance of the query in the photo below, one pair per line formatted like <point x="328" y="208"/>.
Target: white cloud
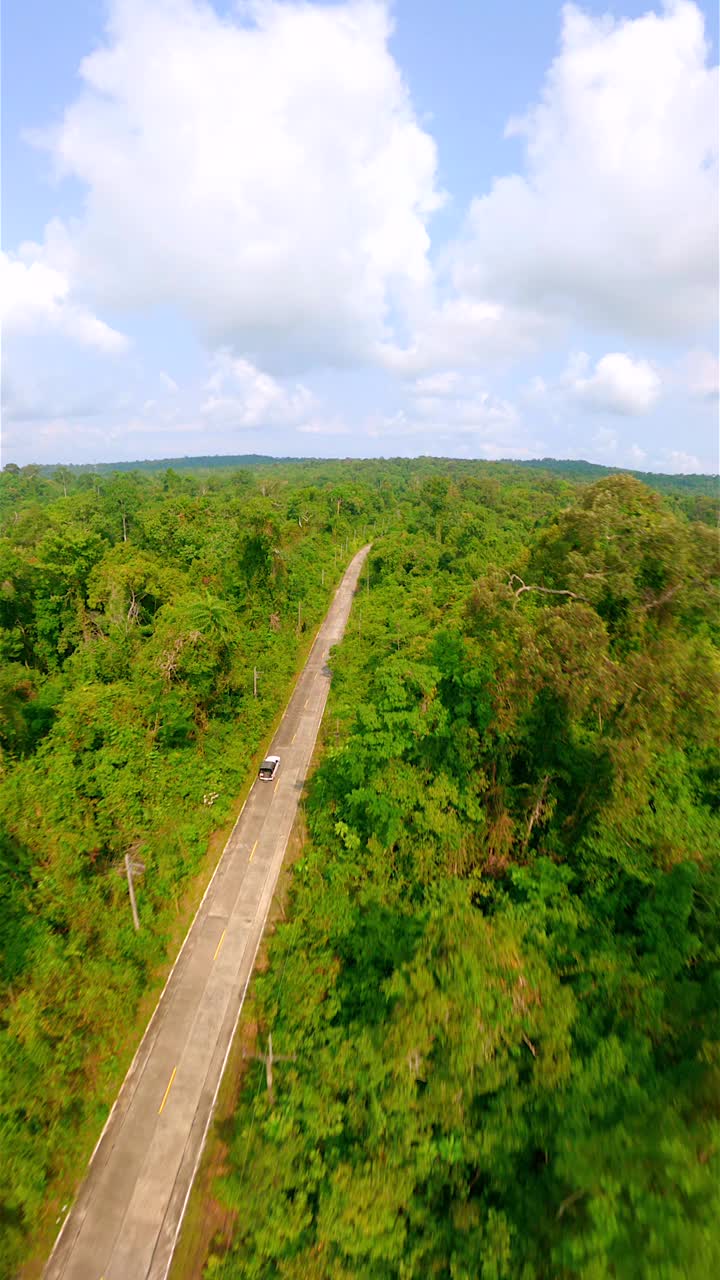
<point x="608" y="447"/>
<point x="679" y="461"/>
<point x="618" y="384"/>
<point x="637" y="455"/>
<point x="243" y="396"/>
<point x="467" y="333"/>
<point x="454" y="415"/>
<point x="265" y="173"/>
<point x="35" y="299"/>
<point x="614" y="222"/>
<point x="469" y="407"/>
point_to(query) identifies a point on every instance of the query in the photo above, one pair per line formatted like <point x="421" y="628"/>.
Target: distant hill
<point x="576" y="469"/>
<point x="570" y="468"/>
<point x="201" y="463"/>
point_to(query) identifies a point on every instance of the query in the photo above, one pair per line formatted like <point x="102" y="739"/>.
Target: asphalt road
<point x="127" y="1215"/>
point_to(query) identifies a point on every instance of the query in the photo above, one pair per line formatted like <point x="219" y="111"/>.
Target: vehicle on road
<point x="269" y="768"/>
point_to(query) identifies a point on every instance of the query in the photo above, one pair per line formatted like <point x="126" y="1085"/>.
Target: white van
<point x="269" y="768"/>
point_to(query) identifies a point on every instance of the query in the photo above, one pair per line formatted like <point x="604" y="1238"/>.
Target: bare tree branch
<point x="133" y="612"/>
<point x="664" y="597"/>
<point x="537" y="810"/>
<point x="549" y="591"/>
<point x="269" y="1058"/>
<point x="576" y="1195"/>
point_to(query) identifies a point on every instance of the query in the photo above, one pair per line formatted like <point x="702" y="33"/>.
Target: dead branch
<point x="169" y="662"/>
<point x="662" y="599"/>
<point x="537" y="810"/>
<point x="576" y="1195"/>
<point x="269" y="1058"/>
<point x="548" y="591"/>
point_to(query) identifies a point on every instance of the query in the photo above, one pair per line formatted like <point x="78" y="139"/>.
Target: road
<point x="127" y="1215"/>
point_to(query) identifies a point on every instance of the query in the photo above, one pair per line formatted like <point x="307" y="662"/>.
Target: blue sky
<point x="348" y="229"/>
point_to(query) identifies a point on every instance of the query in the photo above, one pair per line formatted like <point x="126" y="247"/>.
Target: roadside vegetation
<point x="497" y="987"/>
<point x="497" y="994"/>
<point x="134" y="610"/>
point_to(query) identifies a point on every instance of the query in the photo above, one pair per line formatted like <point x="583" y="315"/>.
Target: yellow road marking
<point x="294" y="737"/>
<point x="253" y="851"/>
<point x="306" y="702"/>
<point x="217" y="949"/>
<point x="165" y="1095"/>
<point x="275" y="787"/>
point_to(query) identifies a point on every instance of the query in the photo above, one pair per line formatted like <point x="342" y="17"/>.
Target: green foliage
<point x="497" y="991"/>
<point x="499" y="981"/>
<point x="129" y="633"/>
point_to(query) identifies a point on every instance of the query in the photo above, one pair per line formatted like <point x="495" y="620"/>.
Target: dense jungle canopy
<point x="497" y="988"/>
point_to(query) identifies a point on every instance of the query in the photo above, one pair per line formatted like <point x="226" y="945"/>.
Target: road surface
<point x="127" y="1215"/>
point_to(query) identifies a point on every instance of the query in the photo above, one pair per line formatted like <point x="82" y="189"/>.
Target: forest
<point x="497" y="988"/>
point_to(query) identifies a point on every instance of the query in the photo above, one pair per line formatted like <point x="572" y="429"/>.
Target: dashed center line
<point x="217" y="949"/>
<point x="165" y="1095"/>
<point x="252" y="851"/>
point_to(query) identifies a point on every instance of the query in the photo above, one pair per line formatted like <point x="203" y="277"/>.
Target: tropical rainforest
<point x="496" y="993"/>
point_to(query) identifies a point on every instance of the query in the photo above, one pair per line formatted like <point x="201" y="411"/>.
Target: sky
<point x="353" y="228"/>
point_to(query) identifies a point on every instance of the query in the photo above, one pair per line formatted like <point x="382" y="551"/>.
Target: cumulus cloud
<point x="636" y="455"/>
<point x="614" y="221"/>
<point x="264" y="172"/>
<point x="448" y="402"/>
<point x="241" y="395"/>
<point x="467" y="333"/>
<point x="607" y="447"/>
<point x="684" y="463"/>
<point x="35" y="299"/>
<point x="454" y="414"/>
<point x="618" y="384"/>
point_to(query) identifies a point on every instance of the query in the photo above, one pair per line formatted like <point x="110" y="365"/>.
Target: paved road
<point x="126" y="1218"/>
